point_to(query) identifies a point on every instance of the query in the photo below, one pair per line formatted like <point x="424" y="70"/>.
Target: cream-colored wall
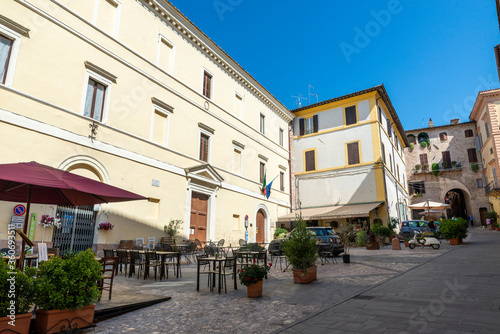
<point x="44" y="110"/>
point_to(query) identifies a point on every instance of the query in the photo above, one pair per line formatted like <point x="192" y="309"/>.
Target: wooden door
<point x="260" y="233"/>
<point x="482" y="214"/>
<point x="199" y="214"/>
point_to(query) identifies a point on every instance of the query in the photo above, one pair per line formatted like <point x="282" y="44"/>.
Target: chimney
<point x="431" y="123"/>
<point x="455" y="121"/>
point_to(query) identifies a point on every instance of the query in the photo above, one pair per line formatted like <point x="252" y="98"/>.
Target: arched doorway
<point x="260" y="232"/>
<point x="456" y="199"/>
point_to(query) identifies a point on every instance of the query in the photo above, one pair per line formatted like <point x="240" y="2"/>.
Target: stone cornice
<point x="206" y="46"/>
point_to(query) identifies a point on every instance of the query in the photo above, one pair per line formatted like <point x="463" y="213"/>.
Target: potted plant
<point x="445" y="164"/>
<point x="171" y="229"/>
<point x="453" y="164"/>
<point x="407" y="242"/>
<point x="453" y="229"/>
<point x="435" y="169"/>
<point x="425" y="166"/>
<point x="16" y="289"/>
<point x="417" y="167"/>
<point x="253" y="277"/>
<point x="279" y="233"/>
<point x="301" y="251"/>
<point x="106" y="226"/>
<point x="347" y="233"/>
<point x="361" y="238"/>
<point x="474" y="166"/>
<point x="497" y="227"/>
<point x="65" y="292"/>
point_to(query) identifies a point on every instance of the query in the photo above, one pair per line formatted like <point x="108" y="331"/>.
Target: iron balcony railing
<point x="492" y="188"/>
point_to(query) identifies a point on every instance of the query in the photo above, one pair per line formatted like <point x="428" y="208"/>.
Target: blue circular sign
<point x="19" y="210"/>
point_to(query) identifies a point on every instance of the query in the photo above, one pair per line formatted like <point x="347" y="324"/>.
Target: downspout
<point x="290" y="138"/>
<point x="383" y="164"/>
<point x="395" y="181"/>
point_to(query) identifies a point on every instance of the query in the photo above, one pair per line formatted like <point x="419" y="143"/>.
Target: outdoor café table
<point x="251" y="254"/>
<point x="214" y="260"/>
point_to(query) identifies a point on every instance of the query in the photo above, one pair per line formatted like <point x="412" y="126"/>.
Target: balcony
<point x="492" y="189"/>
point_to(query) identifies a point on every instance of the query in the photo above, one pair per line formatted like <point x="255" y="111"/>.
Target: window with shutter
<point x="353" y="153"/>
<point x="389" y="128"/>
<point x="447" y="158"/>
<point x="301" y="127"/>
<point x="262" y="171"/>
<point x="5" y="52"/>
<point x="350" y="115"/>
<point x="423" y="159"/>
<point x="380" y="115"/>
<point x="471" y="152"/>
<point x="469" y="133"/>
<point x="390" y="161"/>
<point x="412" y="139"/>
<point x="207" y="85"/>
<point x="487" y="130"/>
<point x="204" y="146"/>
<point x="416" y="187"/>
<point x="315" y="123"/>
<point x="383" y="153"/>
<point x="310" y="160"/>
<point x="282" y="181"/>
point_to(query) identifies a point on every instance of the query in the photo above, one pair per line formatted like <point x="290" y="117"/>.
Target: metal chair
<point x="199" y="247"/>
<point x="228" y="270"/>
<point x="326" y="252"/>
<point x="190" y="250"/>
<point x="201" y="262"/>
<point x="151" y="261"/>
<point x="122" y="260"/>
<point x="276" y="253"/>
<point x="108" y="274"/>
<point x="135" y="260"/>
<point x="242" y="242"/>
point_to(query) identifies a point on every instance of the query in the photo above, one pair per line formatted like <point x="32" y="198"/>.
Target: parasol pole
<point x="428" y="211"/>
<point x="25" y="229"/>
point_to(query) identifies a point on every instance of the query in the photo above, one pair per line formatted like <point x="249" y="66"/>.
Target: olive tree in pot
<point x="16" y="289"/>
<point x="171" y="229"/>
<point x="66" y="291"/>
<point x="302" y="253"/>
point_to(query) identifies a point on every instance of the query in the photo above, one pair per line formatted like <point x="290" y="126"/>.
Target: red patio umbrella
<point x="32" y="182"/>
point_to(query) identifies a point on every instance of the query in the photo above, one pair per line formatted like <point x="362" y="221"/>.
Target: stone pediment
<point x="204" y="173"/>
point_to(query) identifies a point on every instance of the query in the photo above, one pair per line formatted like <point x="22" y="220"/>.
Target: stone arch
<point x="452" y="185"/>
<point x="87" y="166"/>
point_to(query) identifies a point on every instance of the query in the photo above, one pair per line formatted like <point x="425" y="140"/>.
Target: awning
<point x="332" y="212"/>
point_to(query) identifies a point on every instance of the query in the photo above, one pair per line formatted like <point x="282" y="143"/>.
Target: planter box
<point x="255" y="290"/>
<point x="454" y="241"/>
<point x="372" y="245"/>
<point x="55" y="321"/>
<point x="407" y="243"/>
<point x="309" y="276"/>
<point x="22" y="324"/>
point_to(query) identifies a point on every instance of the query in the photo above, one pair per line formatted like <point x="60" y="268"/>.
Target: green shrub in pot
<point x="16" y="289"/>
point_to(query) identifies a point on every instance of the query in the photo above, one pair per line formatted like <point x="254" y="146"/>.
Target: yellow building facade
<point x="131" y="93"/>
<point x="349" y="161"/>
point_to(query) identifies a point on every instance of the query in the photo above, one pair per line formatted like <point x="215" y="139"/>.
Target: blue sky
<point x="432" y="56"/>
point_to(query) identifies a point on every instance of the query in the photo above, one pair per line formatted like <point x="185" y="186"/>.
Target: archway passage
<point x="260" y="233"/>
<point x="456" y="199"/>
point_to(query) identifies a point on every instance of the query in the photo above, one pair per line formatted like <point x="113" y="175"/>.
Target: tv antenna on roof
<point x="311" y="94"/>
<point x="299" y="98"/>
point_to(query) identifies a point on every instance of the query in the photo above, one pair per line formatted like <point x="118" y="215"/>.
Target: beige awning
<point x="332" y="212"/>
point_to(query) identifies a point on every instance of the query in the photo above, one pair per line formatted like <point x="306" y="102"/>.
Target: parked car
<point x="328" y="235"/>
<point x="408" y="227"/>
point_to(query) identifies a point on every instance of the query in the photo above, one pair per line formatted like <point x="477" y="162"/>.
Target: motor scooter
<point x="420" y="239"/>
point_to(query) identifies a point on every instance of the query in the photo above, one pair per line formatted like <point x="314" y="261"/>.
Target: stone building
<point x="450" y="151"/>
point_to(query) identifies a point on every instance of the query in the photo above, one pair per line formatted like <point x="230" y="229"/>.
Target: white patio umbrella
<point x="429" y="205"/>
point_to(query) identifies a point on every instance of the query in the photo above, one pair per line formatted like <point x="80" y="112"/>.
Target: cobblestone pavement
<point x="283" y="302"/>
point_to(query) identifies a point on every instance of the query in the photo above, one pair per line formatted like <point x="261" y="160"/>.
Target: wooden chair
<point x="135" y="260"/>
<point x="151" y="261"/>
<point x="108" y="274"/>
<point x="126" y="244"/>
<point x="123" y="260"/>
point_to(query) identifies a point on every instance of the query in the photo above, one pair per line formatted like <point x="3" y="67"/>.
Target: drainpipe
<point x="290" y="138"/>
<point x="383" y="165"/>
<point x="396" y="181"/>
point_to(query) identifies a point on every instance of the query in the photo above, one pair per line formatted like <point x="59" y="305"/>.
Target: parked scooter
<point x="420" y="239"/>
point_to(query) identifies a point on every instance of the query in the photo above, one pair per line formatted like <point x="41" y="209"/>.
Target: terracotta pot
<point x="55" y="321"/>
<point x="22" y="324"/>
<point x="460" y="241"/>
<point x="454" y="241"/>
<point x="497" y="228"/>
<point x="255" y="290"/>
<point x="303" y="278"/>
<point x="407" y="243"/>
<point x="372" y="245"/>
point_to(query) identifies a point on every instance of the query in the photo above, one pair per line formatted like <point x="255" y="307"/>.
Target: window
<point x="480" y="140"/>
<point x="487" y="130"/>
<point x="5" y="54"/>
<point x="443" y="136"/>
<point x="97" y="91"/>
<point x="262" y="124"/>
<point x="281" y="137"/>
<point x="353" y="153"/>
<point x="94" y="100"/>
<point x="310" y="160"/>
<point x="423" y="159"/>
<point x="389" y="128"/>
<point x="238" y="105"/>
<point x="479" y="183"/>
<point x="412" y="139"/>
<point x="204" y="146"/>
<point x="471" y="152"/>
<point x="446" y="158"/>
<point x="308" y="125"/>
<point x="262" y="171"/>
<point x="282" y="181"/>
<point x="469" y="133"/>
<point x="398" y="171"/>
<point x="491" y="150"/>
<point x="350" y="115"/>
<point x="237" y="161"/>
<point x="383" y="153"/>
<point x="380" y="115"/>
<point x="160" y="121"/>
<point x="416" y="187"/>
<point x="390" y="162"/>
<point x="207" y="85"/>
<point x="165" y="54"/>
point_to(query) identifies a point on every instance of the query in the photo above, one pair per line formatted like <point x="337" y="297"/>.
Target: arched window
<point x="443" y="136"/>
